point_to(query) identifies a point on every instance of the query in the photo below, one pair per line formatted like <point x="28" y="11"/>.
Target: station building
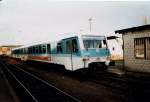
<point x="136" y="47"/>
<point x="6" y="49"/>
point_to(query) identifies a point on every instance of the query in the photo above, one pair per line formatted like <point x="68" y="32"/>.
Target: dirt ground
<point x="73" y="84"/>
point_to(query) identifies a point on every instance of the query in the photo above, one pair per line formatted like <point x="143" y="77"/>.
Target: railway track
<point x="117" y="84"/>
<point x="129" y="88"/>
<point x="106" y="79"/>
<point x="30" y="88"/>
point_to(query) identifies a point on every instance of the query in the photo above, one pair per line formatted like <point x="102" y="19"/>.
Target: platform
<point x="6" y="94"/>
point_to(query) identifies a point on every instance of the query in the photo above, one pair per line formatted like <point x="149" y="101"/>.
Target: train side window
<point x="29" y="50"/>
<point x="74" y="46"/>
<point x="21" y="51"/>
<point x="43" y="49"/>
<point x="48" y="48"/>
<point x="18" y="51"/>
<point x="59" y="48"/>
<point x="36" y="50"/>
<point x="40" y="49"/>
<point x="33" y="50"/>
<point x="24" y="51"/>
<point x="68" y="46"/>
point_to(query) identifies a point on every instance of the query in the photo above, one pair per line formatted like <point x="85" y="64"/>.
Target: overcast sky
<point x="29" y="21"/>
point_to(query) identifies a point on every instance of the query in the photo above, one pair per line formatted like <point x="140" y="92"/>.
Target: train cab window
<point x="74" y="46"/>
<point x="59" y="48"/>
<point x="92" y="43"/>
<point x="98" y="43"/>
<point x="48" y="48"/>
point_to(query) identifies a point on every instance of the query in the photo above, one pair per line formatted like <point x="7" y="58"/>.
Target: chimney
<point x="145" y="20"/>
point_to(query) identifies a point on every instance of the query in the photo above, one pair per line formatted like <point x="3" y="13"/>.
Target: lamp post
<point x="90" y="23"/>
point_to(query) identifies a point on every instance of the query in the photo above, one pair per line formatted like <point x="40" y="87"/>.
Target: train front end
<point x="95" y="53"/>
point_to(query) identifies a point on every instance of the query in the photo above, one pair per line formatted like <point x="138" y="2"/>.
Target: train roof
<point x="18" y="48"/>
<point x="42" y="43"/>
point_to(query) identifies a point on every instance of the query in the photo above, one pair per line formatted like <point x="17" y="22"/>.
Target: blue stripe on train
<point x="96" y="52"/>
<point x="102" y="52"/>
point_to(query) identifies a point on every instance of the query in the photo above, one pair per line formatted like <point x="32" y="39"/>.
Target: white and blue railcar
<point x="74" y="52"/>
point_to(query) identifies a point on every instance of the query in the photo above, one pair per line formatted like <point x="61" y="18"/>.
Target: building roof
<point x="10" y="46"/>
<point x="133" y="29"/>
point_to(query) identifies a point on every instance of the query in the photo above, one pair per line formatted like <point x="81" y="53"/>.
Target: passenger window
<point x="40" y="49"/>
<point x="33" y="50"/>
<point x="44" y="49"/>
<point x="29" y="50"/>
<point x="74" y="46"/>
<point x="48" y="48"/>
<point x="59" y="48"/>
<point x="36" y="50"/>
<point x="68" y="47"/>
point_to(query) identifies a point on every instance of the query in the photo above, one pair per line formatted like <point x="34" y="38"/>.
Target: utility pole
<point x="90" y="23"/>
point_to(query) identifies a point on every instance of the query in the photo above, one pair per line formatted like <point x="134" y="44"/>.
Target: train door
<point x="76" y="61"/>
<point x="48" y="52"/>
<point x="72" y="49"/>
<point x="68" y="57"/>
<point x="48" y="48"/>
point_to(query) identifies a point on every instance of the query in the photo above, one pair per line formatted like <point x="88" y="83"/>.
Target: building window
<point x="142" y="48"/>
<point x="148" y="48"/>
